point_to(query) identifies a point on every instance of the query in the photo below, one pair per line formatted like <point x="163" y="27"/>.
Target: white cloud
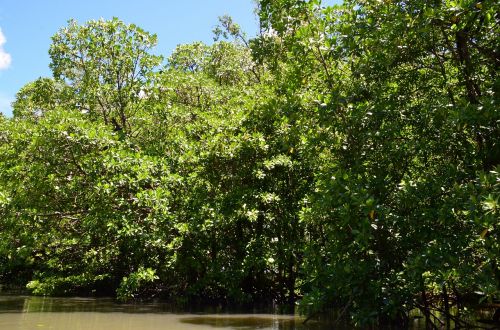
<point x="5" y="58"/>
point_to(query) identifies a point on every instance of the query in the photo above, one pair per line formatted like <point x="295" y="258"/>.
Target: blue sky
<point x="27" y="25"/>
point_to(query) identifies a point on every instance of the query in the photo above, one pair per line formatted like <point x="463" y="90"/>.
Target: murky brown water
<point x="39" y="313"/>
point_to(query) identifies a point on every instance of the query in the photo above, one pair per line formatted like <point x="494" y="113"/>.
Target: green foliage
<point x="108" y="64"/>
<point x="345" y="158"/>
<point x="130" y="285"/>
<point x="40" y="96"/>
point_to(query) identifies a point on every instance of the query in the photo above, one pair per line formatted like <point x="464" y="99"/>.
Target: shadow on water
<point x="242" y="322"/>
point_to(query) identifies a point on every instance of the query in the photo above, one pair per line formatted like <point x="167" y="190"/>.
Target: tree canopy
<point x="347" y="158"/>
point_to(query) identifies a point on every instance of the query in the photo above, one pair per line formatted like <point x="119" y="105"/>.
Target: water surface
<point x="38" y="313"/>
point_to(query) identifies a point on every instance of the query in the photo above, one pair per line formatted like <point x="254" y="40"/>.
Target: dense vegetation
<point x="344" y="157"/>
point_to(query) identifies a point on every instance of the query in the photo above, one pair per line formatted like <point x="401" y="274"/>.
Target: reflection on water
<point x="30" y="313"/>
<point x="249" y="322"/>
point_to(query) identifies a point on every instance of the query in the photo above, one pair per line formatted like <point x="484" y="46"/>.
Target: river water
<point x="39" y="313"/>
